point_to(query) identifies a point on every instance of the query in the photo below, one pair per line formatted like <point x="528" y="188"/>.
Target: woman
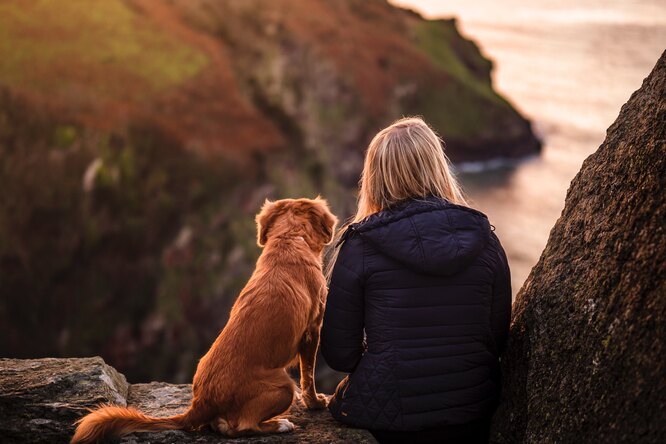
<point x="419" y="302"/>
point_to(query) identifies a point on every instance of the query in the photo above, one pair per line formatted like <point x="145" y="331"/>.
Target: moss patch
<point x="456" y="56"/>
<point x="466" y="103"/>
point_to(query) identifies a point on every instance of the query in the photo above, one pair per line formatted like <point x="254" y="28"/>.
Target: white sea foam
<point x="492" y="164"/>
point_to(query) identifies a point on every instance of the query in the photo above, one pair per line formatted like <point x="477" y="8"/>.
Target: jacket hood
<point x="431" y="236"/>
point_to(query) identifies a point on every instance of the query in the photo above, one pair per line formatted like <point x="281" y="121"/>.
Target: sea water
<point x="569" y="65"/>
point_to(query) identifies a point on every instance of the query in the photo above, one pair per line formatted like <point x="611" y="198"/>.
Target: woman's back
<point x="428" y="283"/>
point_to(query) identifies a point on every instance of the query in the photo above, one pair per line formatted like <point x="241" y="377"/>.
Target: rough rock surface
<point x="586" y="360"/>
<point x="41" y="398"/>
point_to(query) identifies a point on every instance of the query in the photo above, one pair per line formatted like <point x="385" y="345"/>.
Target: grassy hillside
<point x="138" y="138"/>
<point x="100" y="49"/>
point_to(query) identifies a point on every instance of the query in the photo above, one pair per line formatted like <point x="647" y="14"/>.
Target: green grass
<point x="64" y="136"/>
<point x="50" y="46"/>
<point x="453" y="111"/>
<point x="438" y="39"/>
<point x="467" y="103"/>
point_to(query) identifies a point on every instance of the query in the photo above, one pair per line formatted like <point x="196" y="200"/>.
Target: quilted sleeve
<point x="500" y="314"/>
<point x="342" y="329"/>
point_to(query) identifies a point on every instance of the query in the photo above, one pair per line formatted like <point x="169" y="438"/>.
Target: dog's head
<point x="309" y="218"/>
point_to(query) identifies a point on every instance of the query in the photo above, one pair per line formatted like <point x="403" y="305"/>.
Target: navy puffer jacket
<point x="418" y="311"/>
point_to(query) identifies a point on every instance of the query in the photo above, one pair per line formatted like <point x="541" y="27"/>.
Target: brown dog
<point x="241" y="383"/>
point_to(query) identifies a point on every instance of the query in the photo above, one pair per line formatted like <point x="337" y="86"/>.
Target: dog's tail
<point x="110" y="422"/>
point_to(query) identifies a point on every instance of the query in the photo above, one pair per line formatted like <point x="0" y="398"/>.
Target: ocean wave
<point x="497" y="163"/>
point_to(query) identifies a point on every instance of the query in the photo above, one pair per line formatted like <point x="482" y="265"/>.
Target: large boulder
<point x="586" y="360"/>
<point x="41" y="398"/>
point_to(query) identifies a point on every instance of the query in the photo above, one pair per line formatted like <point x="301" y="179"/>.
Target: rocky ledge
<point x="41" y="398"/>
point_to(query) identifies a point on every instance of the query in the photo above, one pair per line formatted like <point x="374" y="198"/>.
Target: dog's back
<point x="268" y="318"/>
<point x="241" y="383"/>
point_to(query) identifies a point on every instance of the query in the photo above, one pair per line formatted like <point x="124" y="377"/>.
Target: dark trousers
<point x="476" y="432"/>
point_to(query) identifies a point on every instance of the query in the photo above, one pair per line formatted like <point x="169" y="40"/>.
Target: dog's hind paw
<point x="318" y="403"/>
<point x="284" y="426"/>
<point x="221" y="426"/>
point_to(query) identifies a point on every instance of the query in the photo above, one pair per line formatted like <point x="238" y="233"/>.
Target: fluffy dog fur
<point x="241" y="383"/>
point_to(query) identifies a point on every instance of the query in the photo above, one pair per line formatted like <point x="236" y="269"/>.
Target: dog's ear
<point x="323" y="221"/>
<point x="266" y="217"/>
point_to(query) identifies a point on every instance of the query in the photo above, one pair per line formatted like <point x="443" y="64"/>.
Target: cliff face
<point x="138" y="138"/>
<point x="585" y="358"/>
<point x="254" y="76"/>
<point x="41" y="398"/>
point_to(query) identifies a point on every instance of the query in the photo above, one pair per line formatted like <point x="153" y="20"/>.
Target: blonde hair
<point x="404" y="160"/>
